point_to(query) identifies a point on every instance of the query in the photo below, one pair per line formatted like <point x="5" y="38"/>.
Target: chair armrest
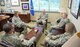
<point x="5" y="44"/>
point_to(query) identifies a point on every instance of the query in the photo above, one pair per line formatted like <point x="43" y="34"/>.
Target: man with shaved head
<point x="43" y="17"/>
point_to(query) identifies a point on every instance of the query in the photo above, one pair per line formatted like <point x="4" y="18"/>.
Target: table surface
<point x="2" y="17"/>
<point x="31" y="34"/>
<point x="34" y="33"/>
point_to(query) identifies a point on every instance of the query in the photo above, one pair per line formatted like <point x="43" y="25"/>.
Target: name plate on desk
<point x="36" y="30"/>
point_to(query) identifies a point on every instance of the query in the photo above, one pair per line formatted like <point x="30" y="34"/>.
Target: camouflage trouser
<point x="24" y="26"/>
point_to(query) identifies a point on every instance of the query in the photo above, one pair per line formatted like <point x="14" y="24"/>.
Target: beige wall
<point x="64" y="5"/>
<point x="52" y="16"/>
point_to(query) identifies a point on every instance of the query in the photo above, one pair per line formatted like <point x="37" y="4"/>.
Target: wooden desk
<point x="3" y="20"/>
<point x="31" y="34"/>
<point x="3" y="17"/>
<point x="9" y="14"/>
<point x="36" y="34"/>
<point x="24" y="17"/>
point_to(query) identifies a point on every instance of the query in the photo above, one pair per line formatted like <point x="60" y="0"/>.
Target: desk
<point x="24" y="17"/>
<point x="33" y="33"/>
<point x="36" y="34"/>
<point x="30" y="34"/>
<point x="9" y="14"/>
<point x="3" y="20"/>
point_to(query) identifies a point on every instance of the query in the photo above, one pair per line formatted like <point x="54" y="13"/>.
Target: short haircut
<point x="71" y="26"/>
<point x="7" y="27"/>
<point x="15" y="12"/>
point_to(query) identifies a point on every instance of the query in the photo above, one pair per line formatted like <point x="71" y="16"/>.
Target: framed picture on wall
<point x="8" y="3"/>
<point x="75" y="9"/>
<point x="69" y="4"/>
<point x="24" y="0"/>
<point x="15" y="2"/>
<point x="25" y="6"/>
<point x="2" y="2"/>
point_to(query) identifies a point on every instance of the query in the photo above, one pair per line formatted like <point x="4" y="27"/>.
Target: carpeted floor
<point x="42" y="38"/>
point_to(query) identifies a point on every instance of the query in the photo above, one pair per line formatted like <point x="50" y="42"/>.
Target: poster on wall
<point x="25" y="6"/>
<point x="15" y="2"/>
<point x="75" y="8"/>
<point x="8" y="3"/>
<point x="2" y="2"/>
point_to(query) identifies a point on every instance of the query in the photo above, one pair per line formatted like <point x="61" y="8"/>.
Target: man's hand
<point x="53" y="37"/>
<point x="21" y="37"/>
<point x="56" y="27"/>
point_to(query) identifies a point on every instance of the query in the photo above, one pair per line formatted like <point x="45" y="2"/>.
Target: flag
<point x="31" y="8"/>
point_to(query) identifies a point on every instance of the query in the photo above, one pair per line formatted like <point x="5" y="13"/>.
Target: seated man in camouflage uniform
<point x="59" y="23"/>
<point x="52" y="40"/>
<point x="43" y="17"/>
<point x="11" y="38"/>
<point x="18" y="22"/>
